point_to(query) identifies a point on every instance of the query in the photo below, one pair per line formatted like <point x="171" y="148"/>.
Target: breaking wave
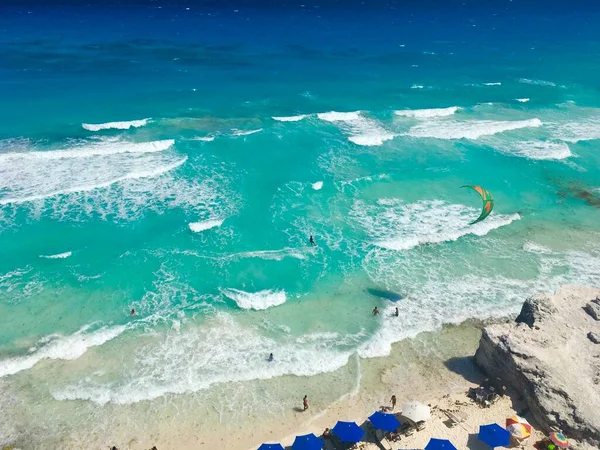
<point x="115" y="125"/>
<point x="427" y="113"/>
<point x="256" y="300"/>
<point x="197" y="227"/>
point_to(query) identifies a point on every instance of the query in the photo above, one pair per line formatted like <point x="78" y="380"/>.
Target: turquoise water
<point x="178" y="166"/>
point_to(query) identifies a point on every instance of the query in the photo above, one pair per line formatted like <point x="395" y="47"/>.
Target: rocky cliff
<point x="547" y="357"/>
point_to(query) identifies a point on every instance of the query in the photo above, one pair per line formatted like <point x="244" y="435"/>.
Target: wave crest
<point x="256" y="300"/>
<point x="115" y="125"/>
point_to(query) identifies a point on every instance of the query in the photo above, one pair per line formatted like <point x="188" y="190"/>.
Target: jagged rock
<point x="550" y="364"/>
<point x="594" y="337"/>
<point x="593" y="308"/>
<point x="534" y="309"/>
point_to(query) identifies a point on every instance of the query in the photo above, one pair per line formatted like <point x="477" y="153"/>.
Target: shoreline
<point x="425" y="368"/>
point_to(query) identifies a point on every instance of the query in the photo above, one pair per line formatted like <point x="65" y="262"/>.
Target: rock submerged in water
<point x="547" y="358"/>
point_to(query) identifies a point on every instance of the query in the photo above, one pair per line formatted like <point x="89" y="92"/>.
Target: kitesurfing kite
<point x="488" y="202"/>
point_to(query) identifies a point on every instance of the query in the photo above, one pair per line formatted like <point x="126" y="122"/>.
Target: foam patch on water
<point x="538" y="150"/>
<point x="205" y="138"/>
<point x="115" y="125"/>
<point x="197" y="227"/>
<point x="60" y="347"/>
<point x="317" y="186"/>
<point x="256" y="300"/>
<point x="495" y="83"/>
<point x="363" y="131"/>
<point x="469" y="129"/>
<point x="522" y="100"/>
<point x="395" y="225"/>
<point x="245" y="132"/>
<point x="221" y="351"/>
<point x="537" y="82"/>
<point x="532" y="247"/>
<point x="291" y="118"/>
<point x="57" y="256"/>
<point x="587" y="129"/>
<point x="108" y="179"/>
<point x="276" y="255"/>
<point x="427" y="113"/>
<point x="104" y="147"/>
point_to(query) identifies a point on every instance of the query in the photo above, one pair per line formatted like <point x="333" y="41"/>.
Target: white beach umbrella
<point x="416" y="411"/>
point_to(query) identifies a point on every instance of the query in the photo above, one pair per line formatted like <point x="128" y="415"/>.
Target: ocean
<point x="175" y="157"/>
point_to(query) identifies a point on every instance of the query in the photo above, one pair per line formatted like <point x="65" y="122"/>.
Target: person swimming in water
<point x="312" y="241"/>
<point x="133" y="312"/>
<point x="271" y="359"/>
<point x="376" y="311"/>
<point x="397" y="313"/>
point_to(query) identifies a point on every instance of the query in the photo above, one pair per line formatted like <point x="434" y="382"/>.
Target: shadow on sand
<point x="465" y="366"/>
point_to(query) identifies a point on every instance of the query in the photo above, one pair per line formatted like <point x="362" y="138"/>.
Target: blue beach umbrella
<point x="383" y="421"/>
<point x="348" y="431"/>
<point x="307" y="442"/>
<point x="439" y="444"/>
<point x="494" y="435"/>
<point x="271" y="447"/>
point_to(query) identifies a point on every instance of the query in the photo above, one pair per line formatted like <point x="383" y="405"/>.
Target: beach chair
<point x="421" y="425"/>
<point x="455" y="419"/>
<point x="383" y="440"/>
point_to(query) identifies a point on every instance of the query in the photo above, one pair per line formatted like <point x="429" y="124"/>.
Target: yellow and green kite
<point x="488" y="202"/>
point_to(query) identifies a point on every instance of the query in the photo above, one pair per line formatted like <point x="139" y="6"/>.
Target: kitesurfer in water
<point x="312" y="241"/>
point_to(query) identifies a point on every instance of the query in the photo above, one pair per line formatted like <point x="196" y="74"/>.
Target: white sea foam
<point x="57" y="256"/>
<point x="395" y="225"/>
<point x="245" y="132"/>
<point x="537" y="82"/>
<point x="496" y="83"/>
<point x="291" y="118"/>
<point x="115" y="125"/>
<point x="334" y="116"/>
<point x="317" y="186"/>
<point x="417" y="86"/>
<point x="532" y="247"/>
<point x="205" y="138"/>
<point x="87" y="150"/>
<point x="587" y="129"/>
<point x="468" y="129"/>
<point x="65" y="186"/>
<point x="221" y="351"/>
<point x="427" y="113"/>
<point x="522" y="100"/>
<point x="540" y="150"/>
<point x="276" y="255"/>
<point x="60" y="347"/>
<point x="256" y="300"/>
<point x="197" y="227"/>
<point x="363" y="131"/>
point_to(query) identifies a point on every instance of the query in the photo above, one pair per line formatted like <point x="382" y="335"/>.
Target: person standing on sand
<point x="393" y="400"/>
<point x="375" y="311"/>
<point x="305" y="402"/>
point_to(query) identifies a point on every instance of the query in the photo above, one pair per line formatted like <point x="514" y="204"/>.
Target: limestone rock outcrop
<point x="548" y="359"/>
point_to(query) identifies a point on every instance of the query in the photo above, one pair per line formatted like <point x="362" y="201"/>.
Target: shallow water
<point x="178" y="166"/>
